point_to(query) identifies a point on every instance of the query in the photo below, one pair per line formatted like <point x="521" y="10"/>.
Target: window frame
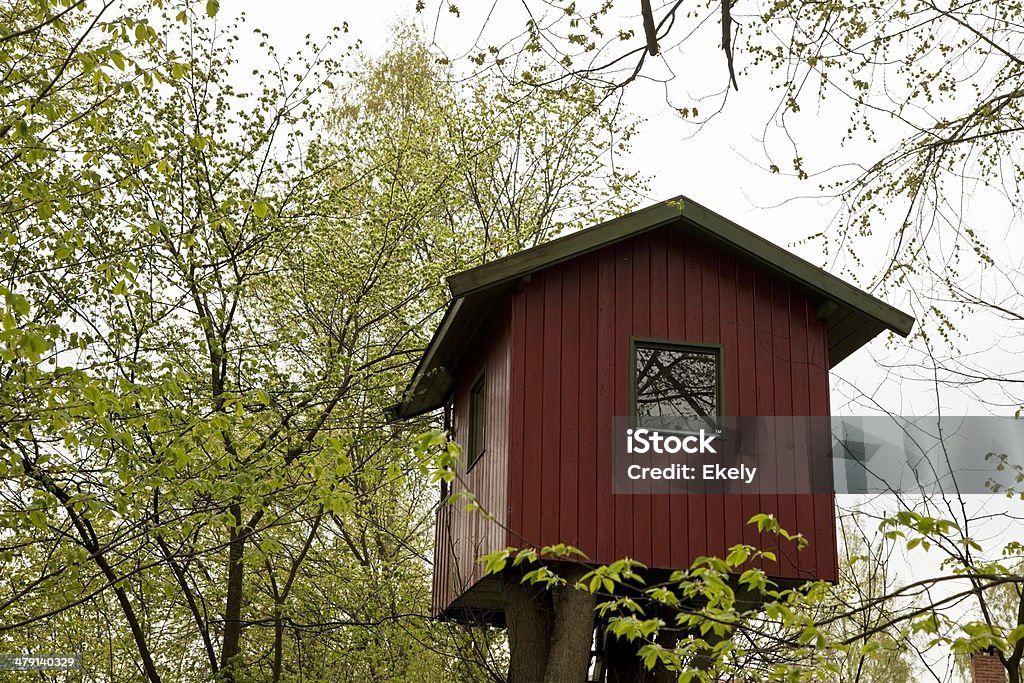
<point x="477" y="399"/>
<point x="674" y="345"/>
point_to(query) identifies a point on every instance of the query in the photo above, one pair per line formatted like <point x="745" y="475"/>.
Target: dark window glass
<point x="676" y="381"/>
<point x="477" y="420"/>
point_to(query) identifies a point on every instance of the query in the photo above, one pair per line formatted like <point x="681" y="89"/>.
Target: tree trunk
<point x="529" y="618"/>
<point x="569" y="655"/>
<point x="623" y="663"/>
<point x="668" y="637"/>
<point x="278" y="644"/>
<point x="622" y="658"/>
<point x="233" y="603"/>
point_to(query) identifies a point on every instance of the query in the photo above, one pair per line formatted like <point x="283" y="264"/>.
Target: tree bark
<point x="623" y="663"/>
<point x="668" y="637"/>
<point x="529" y="618"/>
<point x="233" y="603"/>
<point x="573" y="634"/>
<point x="622" y="657"/>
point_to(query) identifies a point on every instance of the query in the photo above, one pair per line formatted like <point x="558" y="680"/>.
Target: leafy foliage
<point x="214" y="283"/>
<point x="725" y="618"/>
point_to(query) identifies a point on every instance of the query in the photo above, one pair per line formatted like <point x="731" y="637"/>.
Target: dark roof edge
<point x="564" y="248"/>
<point x="756" y="247"/>
<point x="401" y="410"/>
<point x="807" y="273"/>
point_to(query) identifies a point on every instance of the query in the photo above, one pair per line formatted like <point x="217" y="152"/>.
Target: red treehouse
<point x="539" y="350"/>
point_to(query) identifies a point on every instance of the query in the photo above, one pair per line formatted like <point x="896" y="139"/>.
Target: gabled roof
<point x="852" y="316"/>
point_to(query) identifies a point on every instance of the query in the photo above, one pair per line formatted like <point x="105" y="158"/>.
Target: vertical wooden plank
<point x="533" y="416"/>
<point x="623" y="541"/>
<point x="680" y="527"/>
<point x="798" y="308"/>
<point x="517" y="393"/>
<point x="640" y="327"/>
<point x="710" y="279"/>
<point x="437" y="595"/>
<point x="783" y="406"/>
<point x="460" y="527"/>
<point x="714" y="505"/>
<point x="824" y="504"/>
<point x="764" y="373"/>
<point x="551" y="397"/>
<point x="661" y="530"/>
<point x="693" y="313"/>
<point x="728" y="334"/>
<point x="592" y="431"/>
<point x="568" y="501"/>
<point x="605" y="403"/>
<point x="448" y="594"/>
<point x="497" y="472"/>
<point x="746" y="399"/>
<point x="501" y="506"/>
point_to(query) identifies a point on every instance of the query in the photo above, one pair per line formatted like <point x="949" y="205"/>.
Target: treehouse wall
<point x="569" y="371"/>
<point x="461" y="537"/>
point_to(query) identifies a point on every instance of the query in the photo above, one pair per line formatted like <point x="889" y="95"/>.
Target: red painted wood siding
<point x="569" y="373"/>
<point x="461" y="536"/>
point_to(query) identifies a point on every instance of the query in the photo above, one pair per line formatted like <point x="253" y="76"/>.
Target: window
<point x="674" y="383"/>
<point x="477" y="420"/>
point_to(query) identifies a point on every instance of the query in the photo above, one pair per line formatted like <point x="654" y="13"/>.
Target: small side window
<point x="477" y="420"/>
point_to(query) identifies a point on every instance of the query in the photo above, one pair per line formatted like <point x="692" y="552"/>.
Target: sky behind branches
<point x="724" y="166"/>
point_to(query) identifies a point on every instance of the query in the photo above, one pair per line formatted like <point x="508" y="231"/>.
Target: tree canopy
<point x="215" y="280"/>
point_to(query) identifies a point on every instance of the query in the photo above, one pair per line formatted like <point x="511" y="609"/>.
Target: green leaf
<point x="737" y="555"/>
<point x="496" y="561"/>
<point x="16" y="302"/>
<point x="38" y="519"/>
<point x="33" y="346"/>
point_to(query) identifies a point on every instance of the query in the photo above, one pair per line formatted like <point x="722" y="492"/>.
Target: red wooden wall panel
<point x="622" y="510"/>
<point x="744" y="401"/>
<point x="550" y="399"/>
<point x="602" y="364"/>
<point x="462" y="536"/>
<point x="661" y="513"/>
<point x="641" y="518"/>
<point x="733" y="519"/>
<point x="571" y="375"/>
<point x="569" y="380"/>
<point x="587" y="402"/>
<point x="693" y="330"/>
<point x="678" y="290"/>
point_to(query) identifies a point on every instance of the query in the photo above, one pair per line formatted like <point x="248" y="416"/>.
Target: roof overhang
<point x="852" y="317"/>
